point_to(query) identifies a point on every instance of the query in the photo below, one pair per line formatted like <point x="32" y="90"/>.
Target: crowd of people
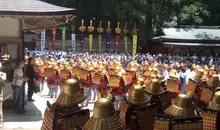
<point x="165" y="63"/>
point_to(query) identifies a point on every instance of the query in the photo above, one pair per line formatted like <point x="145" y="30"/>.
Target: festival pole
<point x="43" y="33"/>
<point x="90" y="29"/>
<point x="117" y="38"/>
<point x="126" y="31"/>
<point x="134" y="39"/>
<point x="82" y="29"/>
<point x="63" y="38"/>
<point x="53" y="38"/>
<point x="73" y="38"/>
<point x="100" y="31"/>
<point x="108" y="39"/>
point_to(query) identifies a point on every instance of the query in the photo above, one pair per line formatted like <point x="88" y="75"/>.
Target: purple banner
<point x="82" y="40"/>
<point x="107" y="43"/>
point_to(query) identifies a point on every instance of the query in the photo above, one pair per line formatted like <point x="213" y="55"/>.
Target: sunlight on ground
<point x="32" y="119"/>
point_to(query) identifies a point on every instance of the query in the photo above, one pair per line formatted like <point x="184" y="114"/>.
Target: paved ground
<point x="32" y="119"/>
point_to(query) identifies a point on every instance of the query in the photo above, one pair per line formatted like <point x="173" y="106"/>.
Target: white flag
<point x="73" y="42"/>
<point x="43" y="32"/>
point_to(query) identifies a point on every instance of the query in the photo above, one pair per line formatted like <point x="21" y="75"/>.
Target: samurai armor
<point x="145" y="117"/>
<point x="130" y="76"/>
<point x="64" y="118"/>
<point x="64" y="74"/>
<point x="210" y="119"/>
<point x="189" y="123"/>
<point x="182" y="107"/>
<point x="165" y="100"/>
<point x="96" y="78"/>
<point x="49" y="72"/>
<point x="191" y="85"/>
<point x="68" y="121"/>
<point x="81" y="73"/>
<point x="115" y="81"/>
<point x="123" y="109"/>
<point x="215" y="103"/>
<point x="206" y="94"/>
<point x="172" y="85"/>
<point x="72" y="94"/>
<point x="162" y="122"/>
<point x="49" y="121"/>
<point x="155" y="88"/>
<point x="104" y="117"/>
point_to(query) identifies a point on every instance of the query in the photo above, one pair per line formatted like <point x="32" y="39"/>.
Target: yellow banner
<point x="134" y="44"/>
<point x="90" y="43"/>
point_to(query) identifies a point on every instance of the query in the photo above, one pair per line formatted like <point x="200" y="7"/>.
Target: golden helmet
<point x="217" y="89"/>
<point x="213" y="81"/>
<point x="155" y="88"/>
<point x="215" y="103"/>
<point x="172" y="74"/>
<point x="183" y="107"/>
<point x="72" y="93"/>
<point x="137" y="96"/>
<point x="140" y="81"/>
<point x="190" y="94"/>
<point x="199" y="75"/>
<point x="104" y="117"/>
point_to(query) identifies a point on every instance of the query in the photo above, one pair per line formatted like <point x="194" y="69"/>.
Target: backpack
<point x="11" y="75"/>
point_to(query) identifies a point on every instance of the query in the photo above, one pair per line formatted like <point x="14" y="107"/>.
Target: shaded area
<point x="32" y="114"/>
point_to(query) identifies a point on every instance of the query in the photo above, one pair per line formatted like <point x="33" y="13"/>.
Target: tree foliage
<point x="142" y="12"/>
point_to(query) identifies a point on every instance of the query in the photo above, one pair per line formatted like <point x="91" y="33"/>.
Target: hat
<point x="104" y="117"/>
<point x="72" y="93"/>
<point x="137" y="96"/>
<point x="182" y="107"/>
<point x="215" y="103"/>
<point x="155" y="89"/>
<point x="213" y="81"/>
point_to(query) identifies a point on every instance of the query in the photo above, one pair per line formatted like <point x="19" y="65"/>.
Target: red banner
<point x="117" y="39"/>
<point x="53" y="38"/>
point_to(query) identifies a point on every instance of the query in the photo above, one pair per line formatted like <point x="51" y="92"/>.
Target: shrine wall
<point x="10" y="27"/>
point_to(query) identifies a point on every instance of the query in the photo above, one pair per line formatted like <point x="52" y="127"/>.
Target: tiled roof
<point x="30" y="6"/>
<point x="192" y="33"/>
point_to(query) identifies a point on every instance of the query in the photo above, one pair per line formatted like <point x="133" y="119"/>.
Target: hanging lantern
<point x="6" y="57"/>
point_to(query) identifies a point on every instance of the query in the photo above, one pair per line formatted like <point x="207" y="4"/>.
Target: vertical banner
<point x="108" y="43"/>
<point x="81" y="40"/>
<point x="134" y="44"/>
<point x="100" y="43"/>
<point x="53" y="38"/>
<point x="43" y="33"/>
<point x="90" y="42"/>
<point x="117" y="39"/>
<point x="73" y="37"/>
<point x="126" y="44"/>
<point x="63" y="47"/>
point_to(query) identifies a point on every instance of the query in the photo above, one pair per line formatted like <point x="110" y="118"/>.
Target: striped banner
<point x="63" y="47"/>
<point x="73" y="37"/>
<point x="90" y="42"/>
<point x="117" y="39"/>
<point x="100" y="43"/>
<point x="134" y="44"/>
<point x="126" y="44"/>
<point x="108" y="43"/>
<point x="43" y="34"/>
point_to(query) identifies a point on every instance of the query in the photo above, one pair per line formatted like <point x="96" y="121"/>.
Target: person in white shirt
<point x="17" y="86"/>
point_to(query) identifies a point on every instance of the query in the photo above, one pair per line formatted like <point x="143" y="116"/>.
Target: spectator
<point x="31" y="75"/>
<point x="18" y="79"/>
